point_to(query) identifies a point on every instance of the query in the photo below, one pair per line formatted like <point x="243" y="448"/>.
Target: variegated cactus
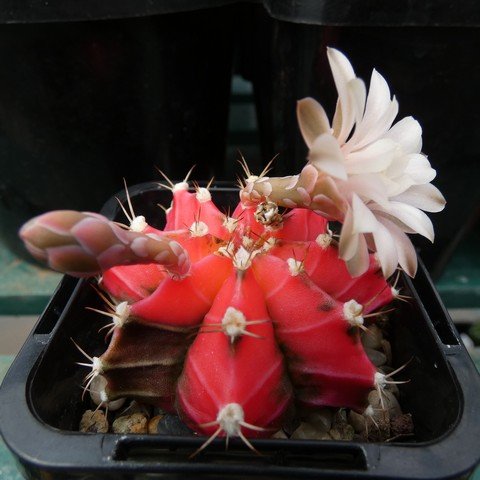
<point x="232" y="321"/>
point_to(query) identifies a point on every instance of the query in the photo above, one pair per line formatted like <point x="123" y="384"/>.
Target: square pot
<point x="40" y="400"/>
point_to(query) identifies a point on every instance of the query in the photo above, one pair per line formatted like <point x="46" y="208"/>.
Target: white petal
<point x="358" y="94"/>
<point x="364" y="220"/>
<point x="413" y="218"/>
<point x="348" y="240"/>
<point x="342" y="72"/>
<point x="359" y="263"/>
<point x="325" y="155"/>
<point x="398" y="166"/>
<point x="426" y="197"/>
<point x="380" y="212"/>
<point x="378" y="99"/>
<point x="419" y="169"/>
<point x="396" y="186"/>
<point x="368" y="186"/>
<point x="337" y="120"/>
<point x="374" y="158"/>
<point x="312" y="120"/>
<point x="386" y="250"/>
<point x="407" y="256"/>
<point x="407" y="133"/>
<point x="380" y="111"/>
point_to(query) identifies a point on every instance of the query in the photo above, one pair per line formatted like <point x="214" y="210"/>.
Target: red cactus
<point x="263" y="277"/>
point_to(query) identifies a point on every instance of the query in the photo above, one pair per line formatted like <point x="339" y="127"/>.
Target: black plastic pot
<point x="40" y="401"/>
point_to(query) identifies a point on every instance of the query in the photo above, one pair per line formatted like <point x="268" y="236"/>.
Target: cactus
<point x="235" y="320"/>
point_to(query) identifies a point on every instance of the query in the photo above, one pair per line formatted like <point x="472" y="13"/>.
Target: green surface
<point x="24" y="288"/>
<point x="459" y="286"/>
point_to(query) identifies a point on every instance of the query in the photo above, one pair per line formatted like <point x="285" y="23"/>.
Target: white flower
<point x="378" y="168"/>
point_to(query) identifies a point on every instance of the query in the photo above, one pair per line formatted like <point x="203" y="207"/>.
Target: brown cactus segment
<point x="144" y="362"/>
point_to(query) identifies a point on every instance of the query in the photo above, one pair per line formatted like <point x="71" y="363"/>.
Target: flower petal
<point x="364" y="220"/>
<point x="359" y="263"/>
<point x="358" y="95"/>
<point x="426" y="197"/>
<point x="369" y="186"/>
<point x="413" y="218"/>
<point x="407" y="256"/>
<point x="325" y="155"/>
<point x="380" y="111"/>
<point x="374" y="158"/>
<point x="312" y="120"/>
<point x="407" y="133"/>
<point x="386" y="250"/>
<point x="419" y="169"/>
<point x="342" y="72"/>
<point x="348" y="240"/>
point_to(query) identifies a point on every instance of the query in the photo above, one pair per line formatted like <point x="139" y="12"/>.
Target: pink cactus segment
<point x="328" y="366"/>
<point x="184" y="303"/>
<point x="197" y="247"/>
<point x="84" y="244"/>
<point x="183" y="210"/>
<point x="248" y="372"/>
<point x="211" y="215"/>
<point x="301" y="224"/>
<point x="369" y="289"/>
<point x="189" y="207"/>
<point x="246" y="222"/>
<point x="132" y="282"/>
<point x="321" y="263"/>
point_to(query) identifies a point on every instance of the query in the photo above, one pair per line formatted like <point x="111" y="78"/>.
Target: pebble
<point x="402" y="425"/>
<point x="94" y="422"/>
<point x="376" y="357"/>
<point x="135" y="407"/>
<point x="307" y="431"/>
<point x="357" y="421"/>
<point x="377" y="426"/>
<point x="172" y="425"/>
<point x="280" y="434"/>
<point x="341" y="429"/>
<point x="321" y="419"/>
<point x="134" y="423"/>
<point x="373" y="338"/>
<point x="345" y="432"/>
<point x="390" y="403"/>
<point x="387" y="350"/>
<point x="153" y="423"/>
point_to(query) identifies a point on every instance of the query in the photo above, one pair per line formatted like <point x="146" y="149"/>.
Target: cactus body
<point x="246" y="368"/>
<point x="273" y="278"/>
